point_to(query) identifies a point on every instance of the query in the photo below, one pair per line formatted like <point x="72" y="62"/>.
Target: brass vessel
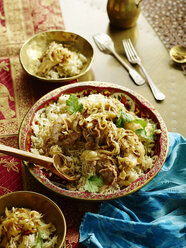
<point x="123" y="13"/>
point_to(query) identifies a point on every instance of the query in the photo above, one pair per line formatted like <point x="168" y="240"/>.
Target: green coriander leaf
<point x="93" y="183"/>
<point x="123" y="118"/>
<point x="39" y="241"/>
<point x="143" y="134"/>
<point x="73" y="104"/>
<point x="152" y="133"/>
<point x="120" y="122"/>
<point x="141" y="122"/>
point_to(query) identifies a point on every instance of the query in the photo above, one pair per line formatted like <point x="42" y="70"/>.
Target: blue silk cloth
<point x="153" y="217"/>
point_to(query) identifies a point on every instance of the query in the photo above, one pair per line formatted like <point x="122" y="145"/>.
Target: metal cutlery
<point x="106" y="45"/>
<point x="135" y="59"/>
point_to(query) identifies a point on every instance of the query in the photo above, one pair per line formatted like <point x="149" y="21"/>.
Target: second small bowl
<point x="33" y="49"/>
<point x="35" y="201"/>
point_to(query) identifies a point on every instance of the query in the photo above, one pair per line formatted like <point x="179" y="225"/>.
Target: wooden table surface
<point x="87" y="17"/>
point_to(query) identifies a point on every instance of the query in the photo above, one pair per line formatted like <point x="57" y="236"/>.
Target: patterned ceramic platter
<point x="132" y="101"/>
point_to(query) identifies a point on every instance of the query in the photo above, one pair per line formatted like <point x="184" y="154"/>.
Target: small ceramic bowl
<point x="130" y="99"/>
<point x="35" y="201"/>
<point x="33" y="49"/>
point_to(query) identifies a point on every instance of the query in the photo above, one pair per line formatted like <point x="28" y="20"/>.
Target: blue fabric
<point x="154" y="216"/>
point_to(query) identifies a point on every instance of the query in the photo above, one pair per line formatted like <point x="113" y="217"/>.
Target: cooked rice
<point x="92" y="144"/>
<point x="60" y="62"/>
<point x="22" y="227"/>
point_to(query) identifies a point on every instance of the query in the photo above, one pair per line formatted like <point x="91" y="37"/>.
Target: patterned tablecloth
<point x="168" y="19"/>
<point x="18" y="22"/>
<point x="18" y="92"/>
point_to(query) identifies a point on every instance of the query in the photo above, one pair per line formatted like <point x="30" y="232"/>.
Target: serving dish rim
<point x="136" y="185"/>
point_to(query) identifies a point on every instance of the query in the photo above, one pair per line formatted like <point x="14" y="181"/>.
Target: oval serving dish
<point x="132" y="101"/>
<point x="34" y="48"/>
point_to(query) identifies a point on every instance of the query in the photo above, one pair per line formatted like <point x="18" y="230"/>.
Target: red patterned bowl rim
<point x="97" y="87"/>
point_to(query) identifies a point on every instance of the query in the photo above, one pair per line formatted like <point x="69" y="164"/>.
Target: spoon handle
<point x="27" y="156"/>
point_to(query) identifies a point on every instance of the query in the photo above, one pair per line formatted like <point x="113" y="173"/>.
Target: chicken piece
<point x="69" y="139"/>
<point x="88" y="160"/>
<point x="109" y="175"/>
<point x="107" y="171"/>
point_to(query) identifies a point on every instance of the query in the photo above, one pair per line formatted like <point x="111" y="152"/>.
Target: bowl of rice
<point x="56" y="56"/>
<point x="111" y="139"/>
<point x="30" y="219"/>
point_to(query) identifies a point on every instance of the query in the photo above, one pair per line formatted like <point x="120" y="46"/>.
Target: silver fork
<point x="106" y="45"/>
<point x="135" y="59"/>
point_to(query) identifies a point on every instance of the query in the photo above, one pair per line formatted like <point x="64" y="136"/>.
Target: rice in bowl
<point x="60" y="62"/>
<point x="23" y="227"/>
<point x="106" y="146"/>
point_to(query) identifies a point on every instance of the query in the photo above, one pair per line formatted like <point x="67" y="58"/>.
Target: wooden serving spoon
<point x="51" y="164"/>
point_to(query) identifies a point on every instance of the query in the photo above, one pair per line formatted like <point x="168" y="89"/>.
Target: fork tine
<point x="127" y="49"/>
<point x="132" y="48"/>
<point x="130" y="52"/>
